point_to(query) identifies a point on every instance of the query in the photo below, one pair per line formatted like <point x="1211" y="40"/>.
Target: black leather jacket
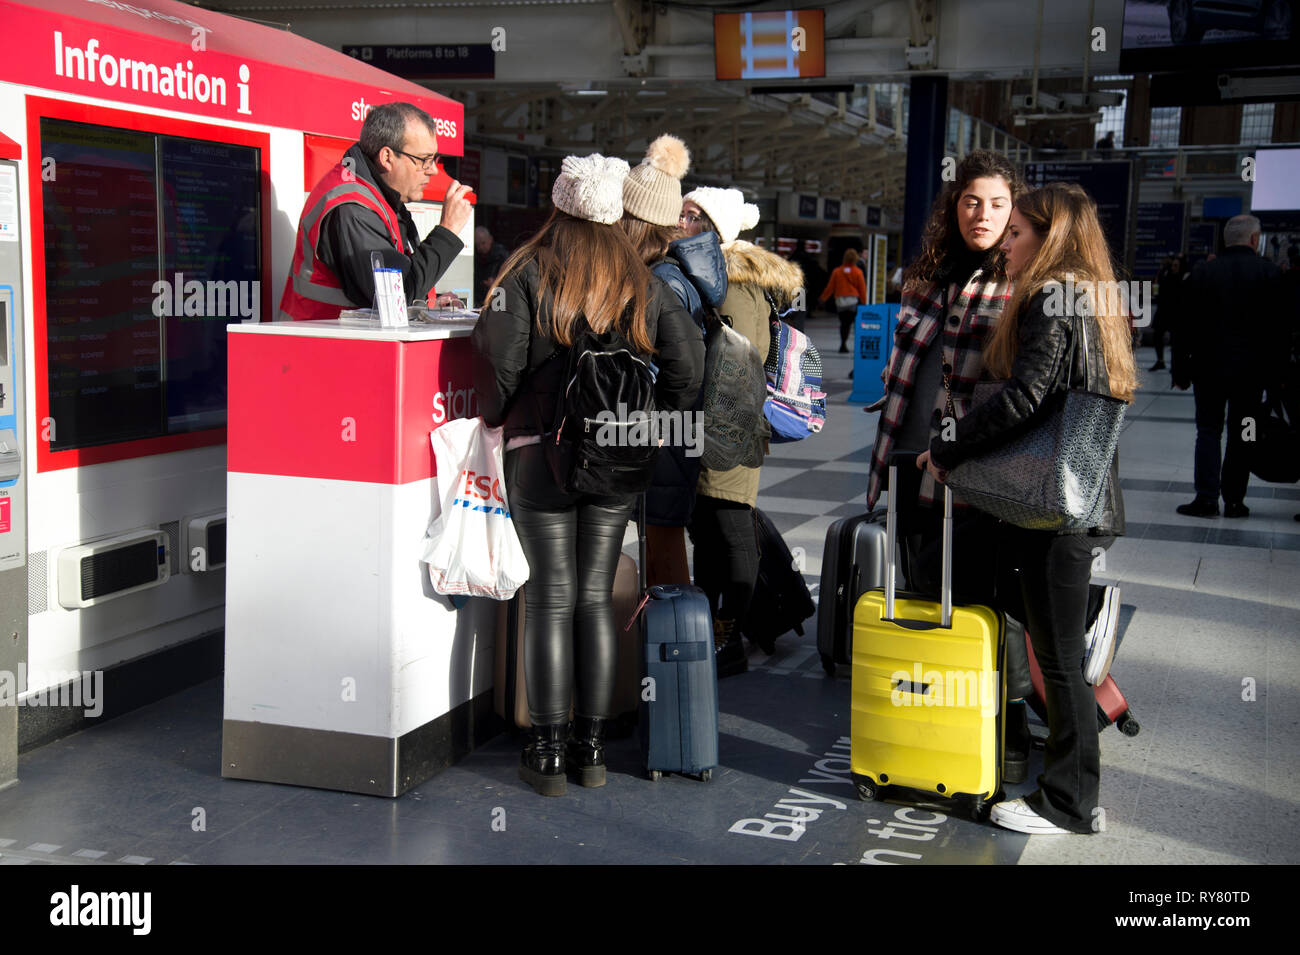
<point x="1043" y="366"/>
<point x="518" y="388"/>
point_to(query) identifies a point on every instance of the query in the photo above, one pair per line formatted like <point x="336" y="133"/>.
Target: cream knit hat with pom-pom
<point x="653" y="190"/>
<point x="727" y="208"/>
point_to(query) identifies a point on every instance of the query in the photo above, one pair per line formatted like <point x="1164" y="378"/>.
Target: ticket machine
<point x="13" y="464"/>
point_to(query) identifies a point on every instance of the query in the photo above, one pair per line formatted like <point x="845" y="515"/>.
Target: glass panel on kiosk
<point x="152" y="245"/>
<point x="101" y="260"/>
<point x="211" y="213"/>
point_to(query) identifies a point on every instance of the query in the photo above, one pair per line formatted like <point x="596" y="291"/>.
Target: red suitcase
<point x="1111" y="705"/>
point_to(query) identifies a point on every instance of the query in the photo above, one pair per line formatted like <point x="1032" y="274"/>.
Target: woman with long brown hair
<point x="1057" y="257"/>
<point x="953" y="296"/>
<point x="577" y="276"/>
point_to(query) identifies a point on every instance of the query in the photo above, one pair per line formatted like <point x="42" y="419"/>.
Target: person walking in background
<point x="578" y="275"/>
<point x="723" y="526"/>
<point x="1229" y="346"/>
<point x="489" y="256"/>
<point x="1053" y="235"/>
<point x="693" y="268"/>
<point x="849" y="289"/>
<point x="1169" y="303"/>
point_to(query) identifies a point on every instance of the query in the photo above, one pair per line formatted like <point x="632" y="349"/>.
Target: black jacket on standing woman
<point x="517" y="381"/>
<point x="1042" y="369"/>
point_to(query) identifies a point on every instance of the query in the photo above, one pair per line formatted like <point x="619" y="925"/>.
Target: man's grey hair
<point x="386" y="126"/>
<point x="1239" y="230"/>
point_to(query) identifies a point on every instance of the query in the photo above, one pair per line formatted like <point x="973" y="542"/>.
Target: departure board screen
<point x="210" y="213"/>
<point x="152" y="245"/>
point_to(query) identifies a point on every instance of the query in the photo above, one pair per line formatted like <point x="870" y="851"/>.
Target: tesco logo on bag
<point x="482" y="486"/>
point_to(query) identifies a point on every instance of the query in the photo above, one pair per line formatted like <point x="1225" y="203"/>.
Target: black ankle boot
<point x="585" y="751"/>
<point x="542" y="763"/>
<point x="728" y="649"/>
<point x="1015" y="755"/>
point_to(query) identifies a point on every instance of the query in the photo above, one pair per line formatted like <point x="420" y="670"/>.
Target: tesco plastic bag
<point x="473" y="548"/>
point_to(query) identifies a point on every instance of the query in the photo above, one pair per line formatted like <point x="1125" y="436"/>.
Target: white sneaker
<point x="1099" y="640"/>
<point x="1016" y="815"/>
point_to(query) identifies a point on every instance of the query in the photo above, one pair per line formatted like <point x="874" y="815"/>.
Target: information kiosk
<point x="156" y="160"/>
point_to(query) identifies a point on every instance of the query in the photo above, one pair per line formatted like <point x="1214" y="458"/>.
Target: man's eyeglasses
<point x="425" y="163"/>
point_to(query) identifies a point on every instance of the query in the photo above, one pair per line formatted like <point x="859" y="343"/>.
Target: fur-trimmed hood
<point x="750" y="265"/>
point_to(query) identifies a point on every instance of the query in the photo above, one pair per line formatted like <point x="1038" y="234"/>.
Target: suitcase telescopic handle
<point x="642" y="571"/>
<point x="891" y="548"/>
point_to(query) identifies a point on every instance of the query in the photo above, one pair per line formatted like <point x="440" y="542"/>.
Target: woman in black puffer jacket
<point x="576" y="274"/>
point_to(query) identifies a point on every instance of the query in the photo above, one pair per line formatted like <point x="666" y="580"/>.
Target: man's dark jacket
<point x="1233" y="321"/>
<point x="486" y="269"/>
<point x="351" y="232"/>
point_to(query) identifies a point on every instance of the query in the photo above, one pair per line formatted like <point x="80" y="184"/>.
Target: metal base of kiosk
<point x="352" y="762"/>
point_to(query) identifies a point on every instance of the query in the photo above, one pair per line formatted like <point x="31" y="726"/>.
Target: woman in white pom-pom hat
<point x="693" y="268"/>
<point x="723" y="524"/>
<point x="577" y="275"/>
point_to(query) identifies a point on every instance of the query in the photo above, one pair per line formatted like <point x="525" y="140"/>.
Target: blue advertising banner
<point x="873" y="340"/>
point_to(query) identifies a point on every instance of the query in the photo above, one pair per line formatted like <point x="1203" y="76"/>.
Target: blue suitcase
<point x="678" y="723"/>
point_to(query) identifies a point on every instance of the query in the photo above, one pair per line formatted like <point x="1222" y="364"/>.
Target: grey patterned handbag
<point x="1053" y="476"/>
<point x="734" y="389"/>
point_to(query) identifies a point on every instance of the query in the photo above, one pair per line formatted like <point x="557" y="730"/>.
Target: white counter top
<point x="331" y="328"/>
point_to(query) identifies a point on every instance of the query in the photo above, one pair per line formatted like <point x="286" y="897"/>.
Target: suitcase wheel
<point x="1129" y="726"/>
<point x="868" y="791"/>
<point x="828" y="664"/>
<point x="655" y="775"/>
<point x="706" y="776"/>
<point x="980" y="809"/>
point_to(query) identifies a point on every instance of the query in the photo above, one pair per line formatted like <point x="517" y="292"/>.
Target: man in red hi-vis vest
<point x="359" y="207"/>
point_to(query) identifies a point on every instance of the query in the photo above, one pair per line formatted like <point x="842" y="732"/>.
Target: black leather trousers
<point x="572" y="543"/>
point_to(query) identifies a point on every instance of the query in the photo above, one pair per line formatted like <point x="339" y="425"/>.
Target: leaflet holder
<point x="390" y="294"/>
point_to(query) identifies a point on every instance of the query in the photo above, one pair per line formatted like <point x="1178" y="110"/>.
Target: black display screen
<point x="152" y="246"/>
<point x="1107" y="182"/>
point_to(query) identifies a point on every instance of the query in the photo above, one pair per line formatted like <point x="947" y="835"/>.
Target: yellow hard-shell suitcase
<point x="927" y="689"/>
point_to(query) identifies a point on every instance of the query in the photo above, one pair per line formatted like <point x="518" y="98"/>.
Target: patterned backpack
<point x="795" y="405"/>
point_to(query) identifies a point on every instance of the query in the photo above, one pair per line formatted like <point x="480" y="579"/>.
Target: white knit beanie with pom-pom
<point x="727" y="208"/>
<point x="591" y="187"/>
<point x="653" y="190"/>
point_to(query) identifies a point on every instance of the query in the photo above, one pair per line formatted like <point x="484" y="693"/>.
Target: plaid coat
<point x="973" y="310"/>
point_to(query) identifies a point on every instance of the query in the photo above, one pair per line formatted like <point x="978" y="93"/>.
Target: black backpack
<point x="605" y="436"/>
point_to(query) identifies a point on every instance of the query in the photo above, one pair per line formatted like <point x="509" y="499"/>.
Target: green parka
<point x="751" y="271"/>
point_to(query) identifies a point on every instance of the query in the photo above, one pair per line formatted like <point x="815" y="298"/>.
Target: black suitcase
<point x="781" y="601"/>
<point x="853" y="562"/>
